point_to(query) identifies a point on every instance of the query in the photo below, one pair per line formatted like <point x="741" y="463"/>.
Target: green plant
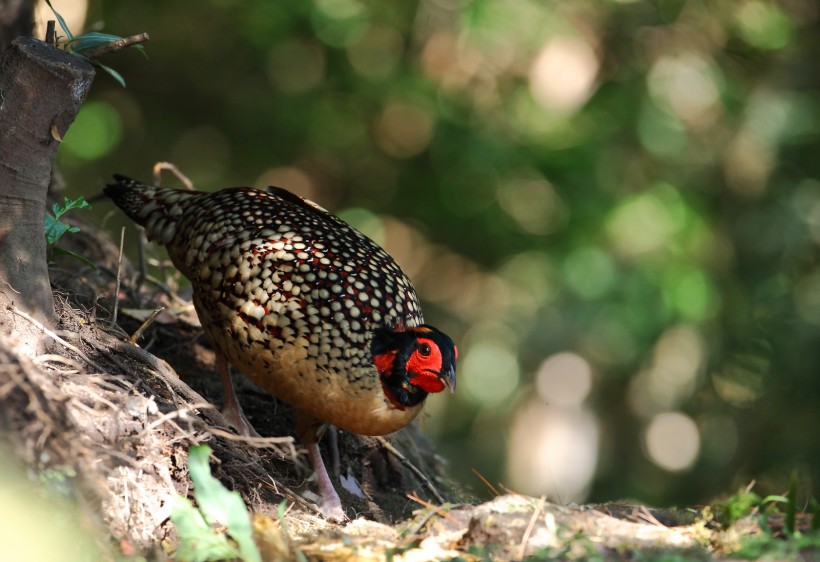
<point x="80" y="44"/>
<point x="200" y="537"/>
<point x="55" y="228"/>
<point x="777" y="545"/>
<point x="745" y="502"/>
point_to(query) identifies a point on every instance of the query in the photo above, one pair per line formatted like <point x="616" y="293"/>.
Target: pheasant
<point x="304" y="305"/>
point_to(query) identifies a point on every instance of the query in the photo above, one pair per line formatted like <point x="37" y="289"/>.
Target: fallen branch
<point x="148" y="321"/>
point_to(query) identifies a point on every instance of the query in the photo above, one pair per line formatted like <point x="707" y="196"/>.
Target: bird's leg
<point x="309" y="430"/>
<point x="331" y="506"/>
<point x="333" y="445"/>
<point x="230" y="407"/>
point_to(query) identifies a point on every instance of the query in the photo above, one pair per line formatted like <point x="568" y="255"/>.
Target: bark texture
<point x="41" y="91"/>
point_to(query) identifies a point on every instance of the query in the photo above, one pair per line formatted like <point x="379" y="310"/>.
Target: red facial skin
<point x="424" y="366"/>
<point x="422" y="370"/>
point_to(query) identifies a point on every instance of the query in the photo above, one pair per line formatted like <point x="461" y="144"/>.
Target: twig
<point x="435" y="508"/>
<point x="419" y="474"/>
<point x="181" y="412"/>
<point x="486" y="482"/>
<point x="115" y="46"/>
<point x="119" y="270"/>
<point x="55" y="337"/>
<point x="522" y="548"/>
<point x="160" y="166"/>
<point x="148" y="321"/>
<point x="50" y="35"/>
<point x="414" y="530"/>
<point x="51" y="357"/>
<point x="644" y="514"/>
<point x="276" y="486"/>
<point x="255" y="442"/>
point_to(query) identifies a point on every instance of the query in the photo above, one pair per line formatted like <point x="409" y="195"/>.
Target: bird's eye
<point x="424" y="349"/>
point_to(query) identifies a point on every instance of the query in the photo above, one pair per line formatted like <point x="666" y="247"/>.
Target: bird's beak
<point x="448" y="377"/>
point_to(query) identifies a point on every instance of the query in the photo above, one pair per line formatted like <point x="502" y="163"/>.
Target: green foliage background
<point x="651" y="206"/>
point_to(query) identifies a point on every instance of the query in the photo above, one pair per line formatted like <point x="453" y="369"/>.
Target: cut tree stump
<point x="41" y="91"/>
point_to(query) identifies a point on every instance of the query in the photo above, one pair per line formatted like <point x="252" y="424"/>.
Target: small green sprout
<point x="55" y="228"/>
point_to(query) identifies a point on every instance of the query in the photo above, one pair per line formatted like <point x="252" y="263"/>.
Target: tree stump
<point x="41" y="91"/>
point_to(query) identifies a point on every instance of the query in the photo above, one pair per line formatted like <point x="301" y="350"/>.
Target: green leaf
<point x="219" y="505"/>
<point x="91" y="40"/>
<point x="68" y="204"/>
<point x="55" y="229"/>
<point x="62" y="22"/>
<point x="774" y="499"/>
<point x="94" y="39"/>
<point x="78" y="203"/>
<point x="58" y="251"/>
<point x="114" y="74"/>
<point x="197" y="541"/>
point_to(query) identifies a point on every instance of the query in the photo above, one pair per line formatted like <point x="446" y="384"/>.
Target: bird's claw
<point x="333" y="511"/>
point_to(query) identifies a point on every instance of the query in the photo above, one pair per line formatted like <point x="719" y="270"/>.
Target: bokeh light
<point x="563" y="73"/>
<point x="686" y="84"/>
<point x="532" y="203"/>
<point x="296" y="65"/>
<point x="490" y="372"/>
<point x="96" y="131"/>
<point x="764" y="25"/>
<point x="672" y="441"/>
<point x="205" y="151"/>
<point x="552" y="451"/>
<point x="553" y="442"/>
<point x="404" y="129"/>
<point x="564" y="379"/>
<point x="674" y="373"/>
<point x="376" y="55"/>
<point x="646" y="222"/>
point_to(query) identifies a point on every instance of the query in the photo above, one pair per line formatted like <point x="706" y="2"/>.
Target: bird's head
<point x="414" y="362"/>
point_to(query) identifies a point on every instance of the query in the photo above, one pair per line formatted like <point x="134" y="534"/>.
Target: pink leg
<point x="231" y="408"/>
<point x="331" y="506"/>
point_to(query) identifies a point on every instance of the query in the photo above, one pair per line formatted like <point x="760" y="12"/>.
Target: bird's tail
<point x="155" y="208"/>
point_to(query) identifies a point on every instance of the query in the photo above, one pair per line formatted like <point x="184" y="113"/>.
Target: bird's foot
<point x="331" y="509"/>
<point x="236" y="420"/>
<point x="331" y="505"/>
<point x="231" y="408"/>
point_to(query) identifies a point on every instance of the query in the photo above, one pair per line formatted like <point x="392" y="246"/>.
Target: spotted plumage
<point x="303" y="304"/>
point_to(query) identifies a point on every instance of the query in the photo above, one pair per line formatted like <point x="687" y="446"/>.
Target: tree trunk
<point x="41" y="91"/>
